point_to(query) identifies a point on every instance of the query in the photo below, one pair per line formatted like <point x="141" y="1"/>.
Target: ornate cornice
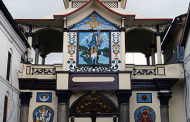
<point x="164" y="98"/>
<point x="123" y="96"/>
<point x="25" y="98"/>
<point x="63" y="96"/>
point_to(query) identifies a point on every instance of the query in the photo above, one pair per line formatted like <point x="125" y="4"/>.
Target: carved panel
<point x="43" y="71"/>
<point x="93" y="104"/>
<point x="144" y="71"/>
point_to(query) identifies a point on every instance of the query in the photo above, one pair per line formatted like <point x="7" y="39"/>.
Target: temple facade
<point x="93" y="82"/>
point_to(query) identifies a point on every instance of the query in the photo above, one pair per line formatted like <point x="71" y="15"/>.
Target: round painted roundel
<point x="145" y="114"/>
<point x="43" y="114"/>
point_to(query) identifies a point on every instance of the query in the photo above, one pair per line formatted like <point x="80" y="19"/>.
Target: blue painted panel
<point x="94" y="48"/>
<point x="94" y="21"/>
<point x="43" y="114"/>
<point x="44" y="97"/>
<point x="144" y="97"/>
<point x="145" y="114"/>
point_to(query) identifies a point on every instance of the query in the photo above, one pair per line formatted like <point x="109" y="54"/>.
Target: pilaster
<point x="25" y="101"/>
<point x="164" y="108"/>
<point x="63" y="106"/>
<point x="123" y="100"/>
<point x="123" y="43"/>
<point x="65" y="43"/>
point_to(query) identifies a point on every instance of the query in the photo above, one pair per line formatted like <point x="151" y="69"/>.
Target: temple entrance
<point x="93" y="105"/>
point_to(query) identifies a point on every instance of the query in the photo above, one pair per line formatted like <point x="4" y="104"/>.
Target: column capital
<point x="25" y="98"/>
<point x="158" y="34"/>
<point x="43" y="55"/>
<point x="122" y="29"/>
<point x="164" y="98"/>
<point x="36" y="46"/>
<point x="123" y="96"/>
<point x="65" y="30"/>
<point x="29" y="34"/>
<point x="63" y="96"/>
<point x="147" y="55"/>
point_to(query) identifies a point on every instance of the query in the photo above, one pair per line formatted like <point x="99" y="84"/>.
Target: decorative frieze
<point x="144" y="71"/>
<point x="43" y="71"/>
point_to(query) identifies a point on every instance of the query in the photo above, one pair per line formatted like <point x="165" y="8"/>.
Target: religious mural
<point x="94" y="21"/>
<point x="94" y="48"/>
<point x="43" y="114"/>
<point x="84" y="54"/>
<point x="145" y="114"/>
<point x="44" y="97"/>
<point x="144" y="98"/>
<point x="97" y="50"/>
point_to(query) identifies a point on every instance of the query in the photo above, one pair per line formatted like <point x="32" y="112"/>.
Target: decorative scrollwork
<point x="93" y="69"/>
<point x="93" y="103"/>
<point x="144" y="71"/>
<point x="43" y="71"/>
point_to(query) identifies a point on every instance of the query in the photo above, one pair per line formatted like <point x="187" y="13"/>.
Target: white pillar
<point x="153" y="56"/>
<point x="29" y="49"/>
<point x="119" y="4"/>
<point x="65" y="44"/>
<point x="29" y="42"/>
<point x="37" y="52"/>
<point x="123" y="44"/>
<point x="43" y="59"/>
<point x="70" y="4"/>
<point x="158" y="46"/>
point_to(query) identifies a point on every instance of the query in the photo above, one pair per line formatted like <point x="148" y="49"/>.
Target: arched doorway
<point x="93" y="105"/>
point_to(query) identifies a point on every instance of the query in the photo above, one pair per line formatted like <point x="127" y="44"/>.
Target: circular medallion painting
<point x="43" y="114"/>
<point x="145" y="114"/>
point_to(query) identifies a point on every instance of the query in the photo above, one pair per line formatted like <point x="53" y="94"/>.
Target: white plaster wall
<point x="187" y="68"/>
<point x="155" y="105"/>
<point x="34" y="104"/>
<point x="176" y="103"/>
<point x="9" y="41"/>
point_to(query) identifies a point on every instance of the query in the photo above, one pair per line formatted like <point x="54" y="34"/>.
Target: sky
<point x="150" y="8"/>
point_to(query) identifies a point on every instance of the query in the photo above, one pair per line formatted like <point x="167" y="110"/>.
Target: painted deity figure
<point x="43" y="115"/>
<point x="145" y="116"/>
<point x="44" y="97"/>
<point x="94" y="45"/>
